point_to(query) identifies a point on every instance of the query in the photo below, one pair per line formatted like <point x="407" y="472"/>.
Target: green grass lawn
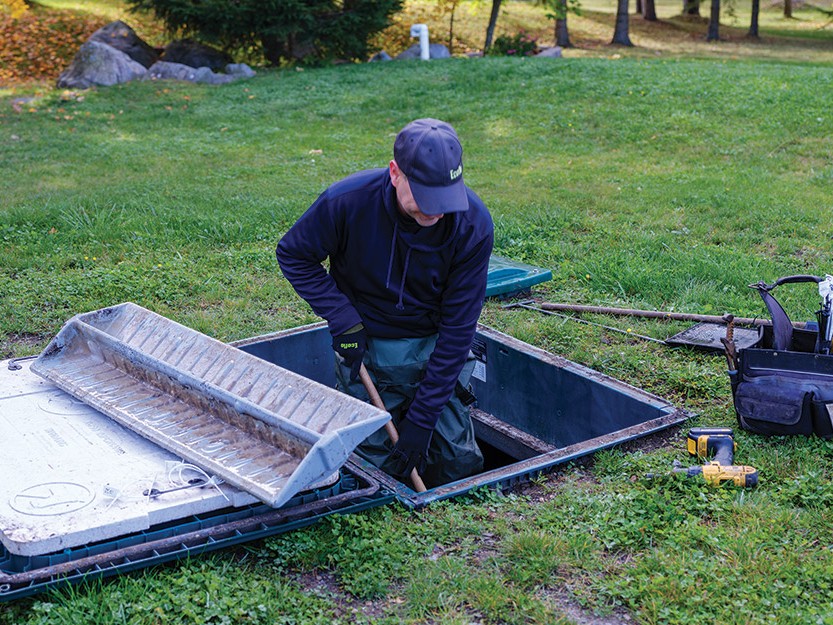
<point x="665" y="183"/>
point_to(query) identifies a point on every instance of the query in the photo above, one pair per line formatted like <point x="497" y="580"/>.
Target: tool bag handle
<point x="786" y="280"/>
<point x="782" y="327"/>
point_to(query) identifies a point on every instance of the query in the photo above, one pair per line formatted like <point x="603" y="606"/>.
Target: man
<point x="408" y="248"/>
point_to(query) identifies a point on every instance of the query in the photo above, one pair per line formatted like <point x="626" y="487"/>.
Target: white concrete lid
<point x="72" y="476"/>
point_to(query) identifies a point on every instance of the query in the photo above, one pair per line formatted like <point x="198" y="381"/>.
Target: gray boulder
<point x="99" y="64"/>
<point x="550" y="53"/>
<point x="240" y="70"/>
<point x="435" y="51"/>
<point x="189" y="52"/>
<point x="162" y="70"/>
<point x="120" y="36"/>
<point x="380" y="56"/>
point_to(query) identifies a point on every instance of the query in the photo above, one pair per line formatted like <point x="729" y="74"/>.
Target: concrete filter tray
<point x="261" y="428"/>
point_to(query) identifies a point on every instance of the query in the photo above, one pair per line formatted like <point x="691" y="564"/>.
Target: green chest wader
<point x="397" y="366"/>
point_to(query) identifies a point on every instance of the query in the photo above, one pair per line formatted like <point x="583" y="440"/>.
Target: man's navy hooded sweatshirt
<point x="397" y="278"/>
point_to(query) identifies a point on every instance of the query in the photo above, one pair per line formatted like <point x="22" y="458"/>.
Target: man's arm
<point x="300" y="252"/>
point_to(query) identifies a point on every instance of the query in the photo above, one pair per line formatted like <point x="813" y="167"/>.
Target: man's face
<point x="405" y="199"/>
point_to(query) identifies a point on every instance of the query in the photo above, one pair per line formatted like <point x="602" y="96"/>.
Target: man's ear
<point x="396" y="174"/>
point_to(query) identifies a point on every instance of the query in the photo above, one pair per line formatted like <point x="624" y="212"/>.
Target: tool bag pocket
<point x="777" y="405"/>
<point x="782" y="393"/>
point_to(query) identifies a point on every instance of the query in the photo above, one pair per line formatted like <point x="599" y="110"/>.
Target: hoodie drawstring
<point x="400" y="305"/>
<point x="392" y="250"/>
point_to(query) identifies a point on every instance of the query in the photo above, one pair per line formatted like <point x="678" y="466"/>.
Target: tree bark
<point x="714" y="22"/>
<point x="620" y="32"/>
<point x="649" y="11"/>
<point x="753" y="24"/>
<point x="788" y="8"/>
<point x="691" y="7"/>
<point x="451" y="29"/>
<point x="562" y="35"/>
<point x="274" y="49"/>
<point x="639" y="6"/>
<point x="490" y="29"/>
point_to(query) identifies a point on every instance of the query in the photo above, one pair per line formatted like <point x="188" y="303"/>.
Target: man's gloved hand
<point x="411" y="451"/>
<point x="351" y="346"/>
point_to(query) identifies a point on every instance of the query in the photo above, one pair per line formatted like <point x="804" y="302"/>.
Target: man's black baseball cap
<point x="429" y="153"/>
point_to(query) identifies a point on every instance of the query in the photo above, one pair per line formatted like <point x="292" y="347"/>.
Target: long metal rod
<point x="655" y="314"/>
<point x="376" y="400"/>
<point x="584" y="321"/>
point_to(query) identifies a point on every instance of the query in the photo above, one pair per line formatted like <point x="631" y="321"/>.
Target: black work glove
<point x="351" y="346"/>
<point x="411" y="451"/>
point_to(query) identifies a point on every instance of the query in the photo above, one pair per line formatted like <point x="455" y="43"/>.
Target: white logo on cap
<point x="456" y="173"/>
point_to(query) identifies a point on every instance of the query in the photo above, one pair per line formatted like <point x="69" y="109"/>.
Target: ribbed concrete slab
<point x="262" y="428"/>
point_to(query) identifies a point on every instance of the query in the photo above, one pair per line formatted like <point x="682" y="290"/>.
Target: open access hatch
<point x="93" y="476"/>
<point x="534" y="410"/>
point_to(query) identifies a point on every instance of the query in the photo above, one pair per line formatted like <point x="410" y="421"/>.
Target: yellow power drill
<point x="719" y="444"/>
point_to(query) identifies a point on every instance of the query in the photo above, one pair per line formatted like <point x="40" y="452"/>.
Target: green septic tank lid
<point x="508" y="277"/>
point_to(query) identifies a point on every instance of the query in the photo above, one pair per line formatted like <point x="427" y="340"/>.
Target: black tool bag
<point x="783" y="384"/>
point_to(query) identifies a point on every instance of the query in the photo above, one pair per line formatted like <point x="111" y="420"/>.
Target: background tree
<point x="557" y="10"/>
<point x="620" y="31"/>
<point x="449" y="7"/>
<point x="281" y="29"/>
<point x="490" y="29"/>
<point x="691" y="7"/>
<point x="714" y="22"/>
<point x="753" y="22"/>
<point x="649" y="10"/>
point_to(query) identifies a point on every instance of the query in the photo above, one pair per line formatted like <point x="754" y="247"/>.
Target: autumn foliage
<point x="39" y="45"/>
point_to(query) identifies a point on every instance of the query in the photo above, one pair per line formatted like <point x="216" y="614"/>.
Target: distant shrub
<point x="285" y="30"/>
<point x="519" y="44"/>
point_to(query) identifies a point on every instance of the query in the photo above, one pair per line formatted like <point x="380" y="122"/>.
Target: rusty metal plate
<point x="261" y="428"/>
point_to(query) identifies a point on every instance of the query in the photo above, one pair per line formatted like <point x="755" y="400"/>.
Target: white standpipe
<point x="421" y="31"/>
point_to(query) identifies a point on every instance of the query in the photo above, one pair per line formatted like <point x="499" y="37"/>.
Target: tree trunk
<point x="620" y="32"/>
<point x="788" y="8"/>
<point x="691" y="7"/>
<point x="753" y="24"/>
<point x="714" y="22"/>
<point x="639" y="6"/>
<point x="649" y="12"/>
<point x="490" y="29"/>
<point x="274" y="49"/>
<point x="562" y="35"/>
<point x="451" y="30"/>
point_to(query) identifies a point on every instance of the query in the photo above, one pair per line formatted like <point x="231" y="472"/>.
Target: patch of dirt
<point x="325" y="584"/>
<point x="578" y="615"/>
<point x="659" y="440"/>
